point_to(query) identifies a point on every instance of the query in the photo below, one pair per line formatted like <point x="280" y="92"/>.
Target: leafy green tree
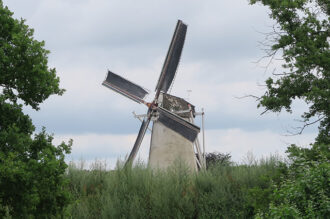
<point x="217" y="158"/>
<point x="32" y="181"/>
<point x="302" y="38"/>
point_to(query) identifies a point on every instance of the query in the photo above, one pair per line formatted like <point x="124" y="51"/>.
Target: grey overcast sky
<point x="131" y="38"/>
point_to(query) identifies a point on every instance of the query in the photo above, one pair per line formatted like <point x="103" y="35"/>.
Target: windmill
<point x="174" y="135"/>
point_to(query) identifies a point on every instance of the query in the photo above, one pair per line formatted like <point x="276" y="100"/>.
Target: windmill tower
<point x="173" y="135"/>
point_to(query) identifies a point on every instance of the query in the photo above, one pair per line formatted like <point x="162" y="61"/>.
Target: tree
<point x="302" y="36"/>
<point x="216" y="158"/>
<point x="32" y="181"/>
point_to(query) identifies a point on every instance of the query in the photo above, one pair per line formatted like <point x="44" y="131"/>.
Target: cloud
<point x="88" y="107"/>
<point x="237" y="142"/>
<point x="103" y="147"/>
<point x="88" y="37"/>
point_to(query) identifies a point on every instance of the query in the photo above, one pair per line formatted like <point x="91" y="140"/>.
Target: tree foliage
<point x="32" y="182"/>
<point x="216" y="158"/>
<point x="302" y="37"/>
<point x="23" y="63"/>
<point x="304" y="192"/>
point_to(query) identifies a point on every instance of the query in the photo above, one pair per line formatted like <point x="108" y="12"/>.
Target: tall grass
<point x="235" y="191"/>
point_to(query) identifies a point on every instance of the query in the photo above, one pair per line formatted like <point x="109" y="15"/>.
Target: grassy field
<point x="222" y="191"/>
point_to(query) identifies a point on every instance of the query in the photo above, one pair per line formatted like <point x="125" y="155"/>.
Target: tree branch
<point x="304" y="126"/>
<point x="250" y="95"/>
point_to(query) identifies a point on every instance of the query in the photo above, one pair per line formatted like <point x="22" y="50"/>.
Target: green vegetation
<point x="270" y="188"/>
<point x="32" y="181"/>
<point x="305" y="191"/>
<point x="223" y="191"/>
<point x="35" y="182"/>
<point x="301" y="36"/>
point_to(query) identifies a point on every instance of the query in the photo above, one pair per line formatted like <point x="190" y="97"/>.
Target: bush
<point x="217" y="158"/>
<point x="305" y="192"/>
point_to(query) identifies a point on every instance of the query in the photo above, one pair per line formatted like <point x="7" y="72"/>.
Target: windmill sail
<point x="172" y="59"/>
<point x="177" y="124"/>
<point x="138" y="141"/>
<point x="124" y="87"/>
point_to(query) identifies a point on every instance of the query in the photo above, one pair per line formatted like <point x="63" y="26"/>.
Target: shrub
<point x="305" y="192"/>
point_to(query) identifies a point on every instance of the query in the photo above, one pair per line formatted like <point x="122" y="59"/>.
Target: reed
<point x="222" y="191"/>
